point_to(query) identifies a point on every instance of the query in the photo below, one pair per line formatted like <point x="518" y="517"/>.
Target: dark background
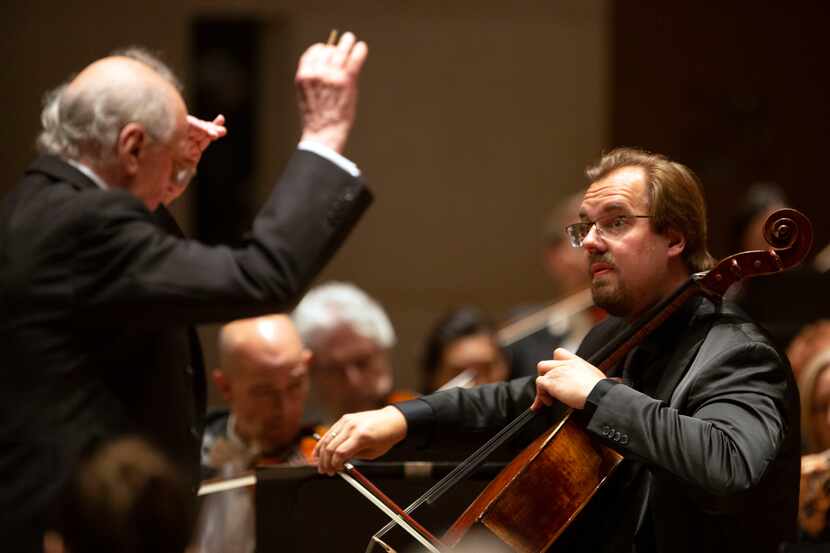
<point x="475" y="119"/>
<point x="738" y="91"/>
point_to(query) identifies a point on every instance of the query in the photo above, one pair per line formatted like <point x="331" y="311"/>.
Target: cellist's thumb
<point x="543" y="398"/>
<point x="561" y="354"/>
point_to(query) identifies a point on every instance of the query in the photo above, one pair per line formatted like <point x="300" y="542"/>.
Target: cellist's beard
<point x="608" y="291"/>
<point x="611" y="300"/>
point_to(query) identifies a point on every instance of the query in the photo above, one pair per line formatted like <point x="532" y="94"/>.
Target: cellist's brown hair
<point x="675" y="198"/>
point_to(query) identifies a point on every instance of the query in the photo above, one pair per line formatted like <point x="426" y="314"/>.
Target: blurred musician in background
<point x="349" y="335"/>
<point x="759" y="200"/>
<point x="809" y="354"/>
<point x="263" y="376"/>
<point x="462" y="350"/>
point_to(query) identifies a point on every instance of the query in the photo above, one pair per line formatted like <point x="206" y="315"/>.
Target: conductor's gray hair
<point x="331" y="305"/>
<point x="89" y="120"/>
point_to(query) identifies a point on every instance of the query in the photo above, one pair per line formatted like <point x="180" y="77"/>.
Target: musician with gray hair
<point x="349" y="335"/>
<point x="100" y="291"/>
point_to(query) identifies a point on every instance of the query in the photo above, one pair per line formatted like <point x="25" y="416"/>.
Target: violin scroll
<point x="790" y="235"/>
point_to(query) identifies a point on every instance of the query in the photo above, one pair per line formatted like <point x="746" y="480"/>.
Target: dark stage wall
<point x="739" y="91"/>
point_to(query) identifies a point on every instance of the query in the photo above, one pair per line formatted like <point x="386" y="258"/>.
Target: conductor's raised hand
<point x="566" y="378"/>
<point x="200" y="134"/>
<point x="327" y="86"/>
<point x="363" y="435"/>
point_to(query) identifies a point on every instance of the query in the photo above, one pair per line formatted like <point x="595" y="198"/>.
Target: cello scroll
<point x="790" y="236"/>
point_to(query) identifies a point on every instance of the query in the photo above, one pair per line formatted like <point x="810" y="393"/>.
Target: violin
<point x="537" y="495"/>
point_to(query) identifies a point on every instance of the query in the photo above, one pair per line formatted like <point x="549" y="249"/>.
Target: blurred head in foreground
<point x="125" y="497"/>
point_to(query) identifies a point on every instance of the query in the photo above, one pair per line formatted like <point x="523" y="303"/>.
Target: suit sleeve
<point x="437" y="419"/>
<point x="125" y="265"/>
<point x="729" y="431"/>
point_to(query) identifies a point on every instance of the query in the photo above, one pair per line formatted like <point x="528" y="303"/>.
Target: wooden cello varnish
<point x="564" y="462"/>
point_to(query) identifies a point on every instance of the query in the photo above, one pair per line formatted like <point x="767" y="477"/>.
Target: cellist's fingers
<point x="543" y="397"/>
<point x="561" y="354"/>
<point x="342" y="452"/>
<point x="544" y="367"/>
<point x="327" y="446"/>
<point x="318" y="448"/>
<point x="324" y="461"/>
<point x="365" y="435"/>
<point x="569" y="380"/>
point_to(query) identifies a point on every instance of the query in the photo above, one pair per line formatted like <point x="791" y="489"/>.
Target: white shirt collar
<point x="89" y="173"/>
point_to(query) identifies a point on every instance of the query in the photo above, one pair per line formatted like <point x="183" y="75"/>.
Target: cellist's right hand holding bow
<point x="363" y="435"/>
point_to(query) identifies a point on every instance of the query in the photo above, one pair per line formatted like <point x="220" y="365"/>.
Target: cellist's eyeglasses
<point x="612" y="226"/>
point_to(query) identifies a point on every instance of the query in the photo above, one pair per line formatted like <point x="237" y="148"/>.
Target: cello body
<point x="566" y="463"/>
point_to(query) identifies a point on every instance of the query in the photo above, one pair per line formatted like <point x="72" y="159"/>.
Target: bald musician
<point x="96" y="298"/>
<point x="263" y="376"/>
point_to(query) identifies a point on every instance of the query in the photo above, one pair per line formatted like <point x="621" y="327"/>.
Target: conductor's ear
<point x="132" y="140"/>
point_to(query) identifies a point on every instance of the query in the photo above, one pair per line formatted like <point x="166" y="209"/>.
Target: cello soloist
<point x="705" y="410"/>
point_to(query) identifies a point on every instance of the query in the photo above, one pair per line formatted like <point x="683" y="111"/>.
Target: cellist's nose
<point x="593" y="241"/>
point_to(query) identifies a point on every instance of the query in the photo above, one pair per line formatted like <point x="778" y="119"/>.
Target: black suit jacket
<point x="196" y="362"/>
<point x="711" y="451"/>
<point x="96" y="303"/>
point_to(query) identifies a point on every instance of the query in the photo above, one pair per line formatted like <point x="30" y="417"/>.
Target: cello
<point x="542" y="490"/>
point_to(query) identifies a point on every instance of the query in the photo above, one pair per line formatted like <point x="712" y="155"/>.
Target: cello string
<point x="461" y="471"/>
<point x="477" y="459"/>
